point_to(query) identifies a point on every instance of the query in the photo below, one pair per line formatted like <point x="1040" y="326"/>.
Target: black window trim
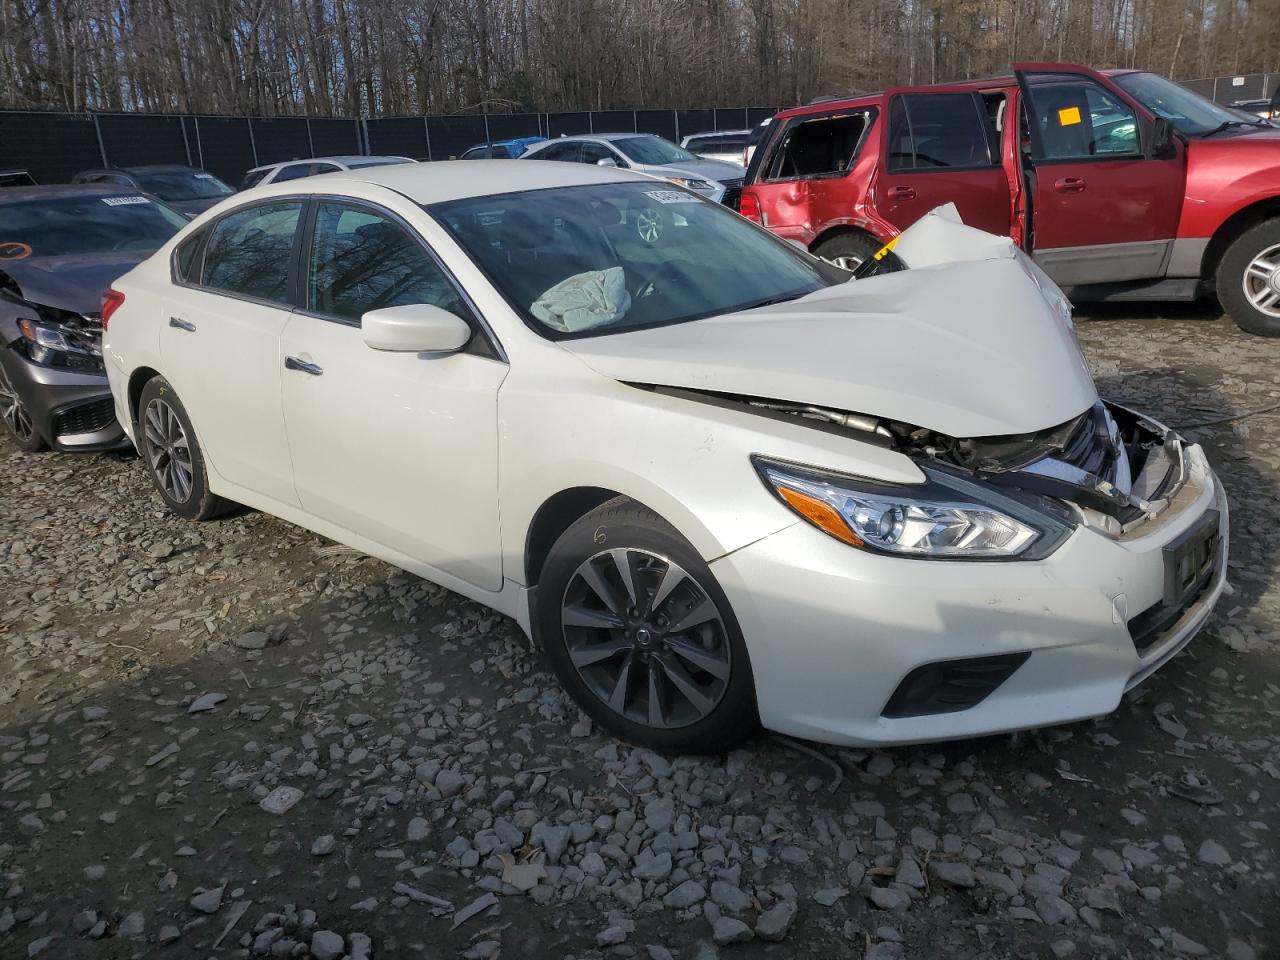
<point x="994" y="151"/>
<point x="208" y="229"/>
<point x="870" y="115"/>
<point x="483" y="341"/>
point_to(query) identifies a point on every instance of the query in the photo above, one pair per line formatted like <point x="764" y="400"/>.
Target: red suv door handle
<point x="902" y="193"/>
<point x="1069" y="184"/>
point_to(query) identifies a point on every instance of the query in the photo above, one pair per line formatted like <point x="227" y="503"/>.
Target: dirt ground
<point x="160" y="679"/>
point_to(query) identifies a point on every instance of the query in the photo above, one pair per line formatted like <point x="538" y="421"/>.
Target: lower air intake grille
<point x="86" y="418"/>
<point x="949" y="686"/>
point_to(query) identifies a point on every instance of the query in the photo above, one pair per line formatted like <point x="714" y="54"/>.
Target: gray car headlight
<point x="693" y="183"/>
<point x="949" y="517"/>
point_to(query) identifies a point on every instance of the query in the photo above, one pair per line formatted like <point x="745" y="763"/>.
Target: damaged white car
<point x="717" y="481"/>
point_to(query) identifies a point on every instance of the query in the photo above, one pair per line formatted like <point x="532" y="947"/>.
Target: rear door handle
<point x="1069" y="184"/>
<point x="179" y="324"/>
<point x="293" y="363"/>
<point x="902" y="193"/>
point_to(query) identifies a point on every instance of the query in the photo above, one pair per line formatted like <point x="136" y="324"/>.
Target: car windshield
<point x="72" y="226"/>
<point x="653" y="151"/>
<point x="607" y="258"/>
<point x="1189" y="112"/>
<point x="183" y="185"/>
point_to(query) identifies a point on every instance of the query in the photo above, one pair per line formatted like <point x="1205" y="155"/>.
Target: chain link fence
<point x="53" y="147"/>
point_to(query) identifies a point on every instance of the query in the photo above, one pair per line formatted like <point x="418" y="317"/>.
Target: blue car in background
<point x="500" y="149"/>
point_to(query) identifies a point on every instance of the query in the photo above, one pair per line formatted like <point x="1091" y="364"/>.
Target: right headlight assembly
<point x="949" y="517"/>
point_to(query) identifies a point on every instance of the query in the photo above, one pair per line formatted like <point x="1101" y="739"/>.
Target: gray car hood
<point x="716" y="170"/>
<point x="970" y="349"/>
<point x="71" y="283"/>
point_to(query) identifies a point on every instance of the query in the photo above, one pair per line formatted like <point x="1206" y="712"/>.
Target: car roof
<point x="49" y="191"/>
<point x="159" y="168"/>
<point x="343" y="158"/>
<point x="427" y="183"/>
<point x="718" y="133"/>
<point x="622" y="135"/>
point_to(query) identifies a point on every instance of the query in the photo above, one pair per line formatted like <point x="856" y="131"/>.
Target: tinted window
<point x="501" y="152"/>
<point x="325" y="168"/>
<point x="932" y="130"/>
<point x="62" y="226"/>
<point x="817" y="146"/>
<point x="475" y="153"/>
<point x="184" y="261"/>
<point x="610" y="257"/>
<point x="568" y="152"/>
<point x="653" y="150"/>
<point x="253" y="178"/>
<point x="1076" y="119"/>
<point x="294" y="171"/>
<point x="184" y="185"/>
<point x="595" y="152"/>
<point x="249" y="251"/>
<point x="362" y="261"/>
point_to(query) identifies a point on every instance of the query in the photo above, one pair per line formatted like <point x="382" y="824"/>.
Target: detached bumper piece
<point x="950" y="686"/>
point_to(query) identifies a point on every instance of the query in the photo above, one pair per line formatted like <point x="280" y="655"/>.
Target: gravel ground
<point x="239" y="739"/>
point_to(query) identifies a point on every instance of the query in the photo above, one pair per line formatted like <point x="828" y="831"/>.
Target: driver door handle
<point x="1069" y="184"/>
<point x="293" y="363"/>
<point x="179" y="324"/>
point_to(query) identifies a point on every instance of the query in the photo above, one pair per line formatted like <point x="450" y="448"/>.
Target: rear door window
<point x="930" y="131"/>
<point x="569" y="152"/>
<point x="294" y="171"/>
<point x="817" y="146"/>
<point x="595" y="152"/>
<point x="249" y="252"/>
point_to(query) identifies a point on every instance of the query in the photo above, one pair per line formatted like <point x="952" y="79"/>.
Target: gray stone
<point x="887" y="898"/>
<point x="729" y="897"/>
<point x="611" y="936"/>
<point x="1054" y="910"/>
<point x="280" y="800"/>
<point x="685" y="895"/>
<point x="208" y="901"/>
<point x="418" y="830"/>
<point x="660" y="813"/>
<point x="1213" y="853"/>
<point x="254" y="640"/>
<point x="323" y="846"/>
<point x="450" y="783"/>
<point x="327" y="945"/>
<point x="206" y="703"/>
<point x="775" y="922"/>
<point x="131" y="926"/>
<point x="727" y="930"/>
<point x="952" y="872"/>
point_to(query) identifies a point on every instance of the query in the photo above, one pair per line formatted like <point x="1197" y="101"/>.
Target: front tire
<point x="641" y="634"/>
<point x="17" y="418"/>
<point x="1248" y="279"/>
<point x="167" y="442"/>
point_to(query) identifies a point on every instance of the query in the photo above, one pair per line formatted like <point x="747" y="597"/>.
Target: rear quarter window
<point x="824" y="145"/>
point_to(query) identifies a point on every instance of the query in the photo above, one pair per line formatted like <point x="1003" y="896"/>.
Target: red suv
<point x="1122" y="184"/>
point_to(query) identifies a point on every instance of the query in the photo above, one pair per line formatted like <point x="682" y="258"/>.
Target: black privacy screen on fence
<point x="53" y="147"/>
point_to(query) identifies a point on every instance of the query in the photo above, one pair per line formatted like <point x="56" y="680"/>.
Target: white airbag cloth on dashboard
<point x="584" y="300"/>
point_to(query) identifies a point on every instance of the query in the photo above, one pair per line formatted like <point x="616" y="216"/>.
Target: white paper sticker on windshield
<point x="671" y="196"/>
<point x="123" y="201"/>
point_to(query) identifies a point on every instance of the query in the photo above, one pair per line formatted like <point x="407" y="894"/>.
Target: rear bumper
<point x="73" y="411"/>
<point x="834" y="632"/>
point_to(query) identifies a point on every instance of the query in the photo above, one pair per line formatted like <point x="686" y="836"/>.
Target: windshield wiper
<point x="1228" y="124"/>
<point x="773" y="301"/>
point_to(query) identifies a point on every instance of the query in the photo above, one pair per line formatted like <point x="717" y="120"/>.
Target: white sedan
<point x="719" y="483"/>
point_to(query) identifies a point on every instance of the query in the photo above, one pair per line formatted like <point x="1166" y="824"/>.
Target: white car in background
<point x="716" y="481"/>
<point x="297" y="169"/>
<point x="724" y="145"/>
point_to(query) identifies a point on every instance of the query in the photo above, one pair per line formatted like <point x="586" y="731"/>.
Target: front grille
<point x="732" y="197"/>
<point x="732" y="184"/>
<point x="86" y="418"/>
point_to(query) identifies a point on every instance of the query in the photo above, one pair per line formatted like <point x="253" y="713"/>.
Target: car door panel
<point x="412" y="426"/>
<point x="1103" y="210"/>
<point x="938" y="149"/>
<point x="221" y="349"/>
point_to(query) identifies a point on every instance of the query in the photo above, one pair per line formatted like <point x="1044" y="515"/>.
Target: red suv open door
<point x="1103" y="207"/>
<point x="942" y="144"/>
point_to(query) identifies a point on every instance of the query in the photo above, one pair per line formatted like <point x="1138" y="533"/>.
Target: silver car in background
<point x="648" y="154"/>
<point x="726" y="145"/>
<point x="297" y="169"/>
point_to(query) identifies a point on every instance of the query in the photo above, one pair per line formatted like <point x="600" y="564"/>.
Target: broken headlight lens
<point x="58" y="345"/>
<point x="947" y="517"/>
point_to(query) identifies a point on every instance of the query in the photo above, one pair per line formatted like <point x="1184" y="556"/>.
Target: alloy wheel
<point x="13" y="411"/>
<point x="645" y="638"/>
<point x="649" y="225"/>
<point x="847" y="261"/>
<point x="1262" y="281"/>
<point x="168" y="450"/>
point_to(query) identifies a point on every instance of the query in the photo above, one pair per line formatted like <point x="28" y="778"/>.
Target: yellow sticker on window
<point x="1068" y="116"/>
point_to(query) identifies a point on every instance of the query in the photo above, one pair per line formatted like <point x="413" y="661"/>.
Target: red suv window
<point x="938" y="130"/>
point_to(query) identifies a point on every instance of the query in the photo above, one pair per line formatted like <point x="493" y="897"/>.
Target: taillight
<point x="111" y="301"/>
<point x="749" y="206"/>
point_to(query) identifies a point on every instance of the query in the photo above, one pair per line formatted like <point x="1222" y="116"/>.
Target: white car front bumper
<point x="833" y="631"/>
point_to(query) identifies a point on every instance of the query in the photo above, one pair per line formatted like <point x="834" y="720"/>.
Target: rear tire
<point x="641" y="635"/>
<point x="851" y="251"/>
<point x="168" y="445"/>
<point x="17" y="418"/>
<point x="1248" y="279"/>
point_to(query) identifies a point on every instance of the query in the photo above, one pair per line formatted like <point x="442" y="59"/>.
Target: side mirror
<point x="415" y="328"/>
<point x="606" y="162"/>
<point x="1162" y="140"/>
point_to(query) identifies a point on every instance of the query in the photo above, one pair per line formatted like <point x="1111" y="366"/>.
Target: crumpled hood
<point x="970" y="349"/>
<point x="71" y="283"/>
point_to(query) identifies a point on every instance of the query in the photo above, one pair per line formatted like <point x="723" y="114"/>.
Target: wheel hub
<point x="1262" y="281"/>
<point x="645" y="638"/>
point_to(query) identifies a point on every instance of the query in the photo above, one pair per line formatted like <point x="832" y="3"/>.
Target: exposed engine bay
<point x="1116" y="468"/>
